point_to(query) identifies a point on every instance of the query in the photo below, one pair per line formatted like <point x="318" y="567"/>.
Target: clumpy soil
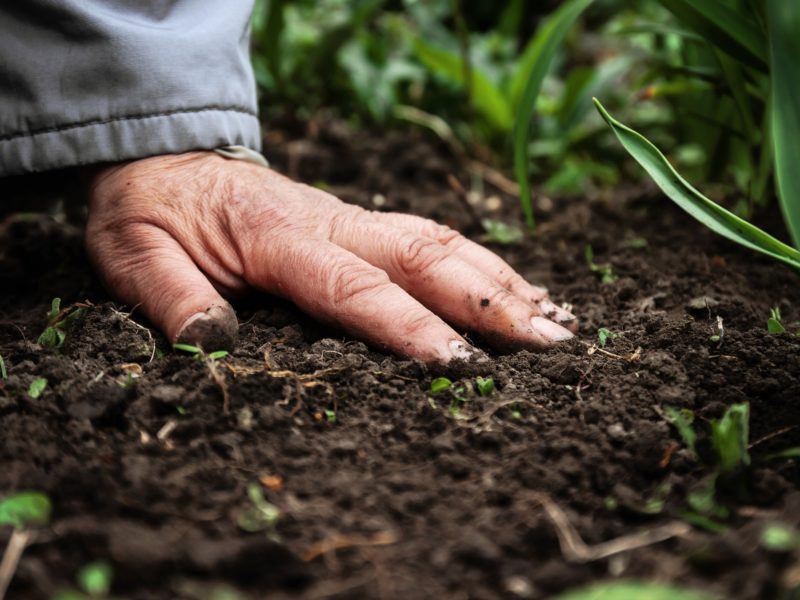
<point x="385" y="490"/>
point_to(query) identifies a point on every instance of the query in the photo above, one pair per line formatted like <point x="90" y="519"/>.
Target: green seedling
<point x="37" y="386"/>
<point x="682" y="420"/>
<point x="655" y="504"/>
<point x="635" y="243"/>
<point x="330" y="415"/>
<point x="198" y="353"/>
<point x="260" y="515"/>
<point x="93" y="581"/>
<point x="440" y="384"/>
<point x="779" y="537"/>
<point x="498" y="232"/>
<point x="774" y="324"/>
<point x="604" y="272"/>
<point x="729" y="462"/>
<point x="3" y="372"/>
<point x="59" y="323"/>
<point x="729" y="436"/>
<point x="485" y="386"/>
<point x="604" y="335"/>
<point x="23" y="509"/>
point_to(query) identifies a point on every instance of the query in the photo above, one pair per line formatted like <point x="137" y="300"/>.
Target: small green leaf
<point x="774" y="324"/>
<point x="330" y="415"/>
<point x="187" y="348"/>
<point x="3" y="372"/>
<point x="25" y="508"/>
<point x="730" y="436"/>
<point x="779" y="537"/>
<point x="631" y="590"/>
<point x="604" y="272"/>
<point x="485" y="386"/>
<point x="37" y="387"/>
<point x="95" y="579"/>
<point x="261" y="514"/>
<point x="682" y="421"/>
<point x="603" y="335"/>
<point x="55" y="308"/>
<point x="51" y="337"/>
<point x="440" y="384"/>
<point x="216" y="355"/>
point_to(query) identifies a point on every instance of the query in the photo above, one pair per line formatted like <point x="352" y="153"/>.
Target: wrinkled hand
<point x="174" y="234"/>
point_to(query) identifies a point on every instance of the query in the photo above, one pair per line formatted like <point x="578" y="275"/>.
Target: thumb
<point x="144" y="266"/>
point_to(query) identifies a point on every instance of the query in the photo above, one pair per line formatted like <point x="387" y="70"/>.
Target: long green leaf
<point x="784" y="46"/>
<point x="544" y="45"/>
<point x="680" y="191"/>
<point x="723" y="27"/>
<point x="487" y="98"/>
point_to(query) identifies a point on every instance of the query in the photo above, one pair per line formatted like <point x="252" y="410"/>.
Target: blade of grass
<point x="784" y="46"/>
<point x="680" y="191"/>
<point x="723" y="27"/>
<point x="543" y="48"/>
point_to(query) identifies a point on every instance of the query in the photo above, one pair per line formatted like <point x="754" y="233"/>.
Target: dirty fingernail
<point x="461" y="349"/>
<point x="552" y="331"/>
<point x="214" y="329"/>
<point x="555" y="313"/>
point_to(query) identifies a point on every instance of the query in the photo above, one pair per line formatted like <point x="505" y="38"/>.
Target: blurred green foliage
<point x="695" y="83"/>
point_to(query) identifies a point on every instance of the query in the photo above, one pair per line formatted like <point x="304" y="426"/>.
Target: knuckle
<point x="350" y="282"/>
<point x="341" y="218"/>
<point x="443" y="234"/>
<point x="418" y="254"/>
<point x="499" y="299"/>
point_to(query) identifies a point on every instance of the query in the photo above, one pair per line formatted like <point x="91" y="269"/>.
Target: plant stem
<point x="14" y="549"/>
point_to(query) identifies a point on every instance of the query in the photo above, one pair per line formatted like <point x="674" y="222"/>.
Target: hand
<point x="174" y="234"/>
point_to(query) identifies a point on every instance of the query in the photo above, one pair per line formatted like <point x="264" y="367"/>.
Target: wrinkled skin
<point x="176" y="234"/>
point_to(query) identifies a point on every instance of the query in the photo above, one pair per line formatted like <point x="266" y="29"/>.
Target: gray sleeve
<point x="87" y="81"/>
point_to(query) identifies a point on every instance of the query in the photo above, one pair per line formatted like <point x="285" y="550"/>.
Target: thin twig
<point x="16" y="546"/>
<point x="769" y="436"/>
<point x="342" y="541"/>
<point x="575" y="549"/>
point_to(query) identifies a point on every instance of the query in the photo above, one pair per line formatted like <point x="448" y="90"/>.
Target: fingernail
<point x="214" y="329"/>
<point x="555" y="313"/>
<point x="552" y="331"/>
<point x="461" y="349"/>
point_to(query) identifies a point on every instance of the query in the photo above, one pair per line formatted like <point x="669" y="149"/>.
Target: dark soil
<point x="397" y="493"/>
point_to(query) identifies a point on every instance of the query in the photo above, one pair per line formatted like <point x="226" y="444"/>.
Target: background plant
<point x="710" y="84"/>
